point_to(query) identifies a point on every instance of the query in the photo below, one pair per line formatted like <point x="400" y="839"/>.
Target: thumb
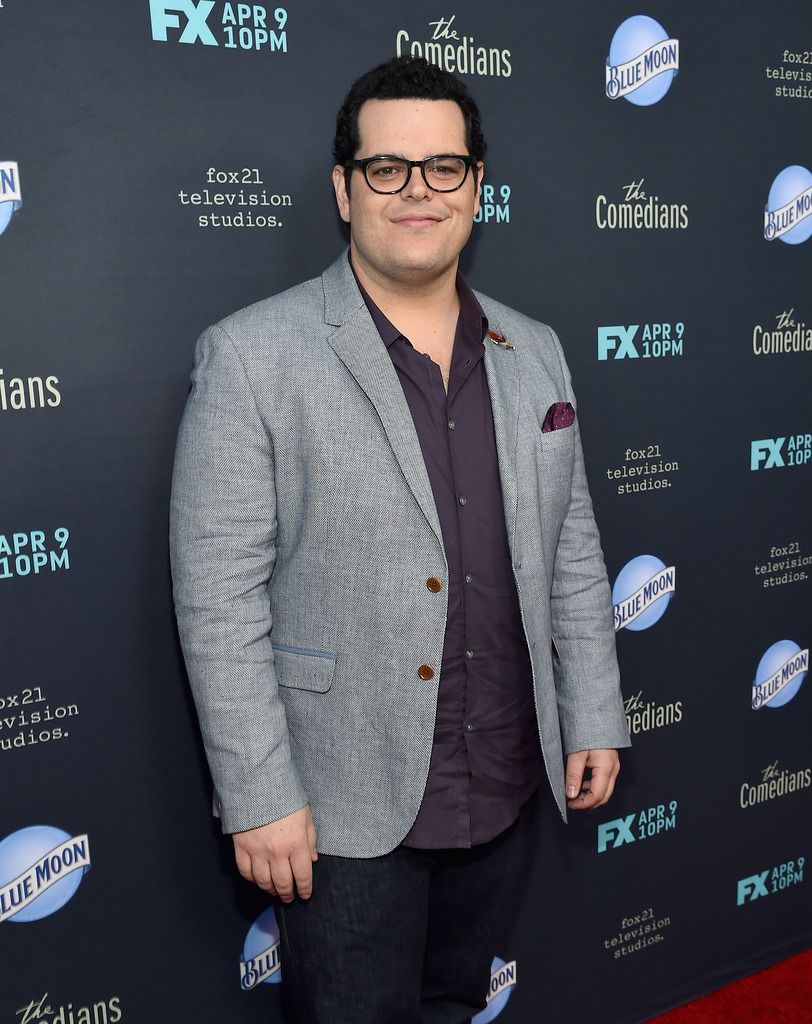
<point x="576" y="763"/>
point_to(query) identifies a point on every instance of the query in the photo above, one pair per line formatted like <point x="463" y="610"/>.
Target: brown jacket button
<point x="434" y="584"/>
<point x="426" y="672"/>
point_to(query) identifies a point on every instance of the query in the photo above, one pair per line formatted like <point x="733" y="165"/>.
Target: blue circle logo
<point x="642" y="63"/>
<point x="41" y="868"/>
<point x="779" y="675"/>
<point x="642" y="592"/>
<point x="500" y="989"/>
<point x="261" y="962"/>
<point x="10" y="195"/>
<point x="788" y="213"/>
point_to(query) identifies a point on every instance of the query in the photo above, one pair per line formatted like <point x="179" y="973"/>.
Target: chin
<point x="426" y="262"/>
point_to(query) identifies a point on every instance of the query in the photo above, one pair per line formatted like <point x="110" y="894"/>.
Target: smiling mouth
<point x="417" y="220"/>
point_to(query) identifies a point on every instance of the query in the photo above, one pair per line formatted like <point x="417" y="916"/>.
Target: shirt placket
<point x="459" y="425"/>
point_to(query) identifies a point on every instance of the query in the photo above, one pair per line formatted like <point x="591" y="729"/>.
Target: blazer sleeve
<point x="222" y="548"/>
<point x="587" y="678"/>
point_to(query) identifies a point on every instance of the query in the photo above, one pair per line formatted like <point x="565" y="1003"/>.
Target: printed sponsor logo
<point x="645" y="715"/>
<point x="778" y="452"/>
<point x="40" y="1011"/>
<point x="654" y="341"/>
<point x="642" y="592"/>
<point x="494" y="205"/>
<point x="643" y="469"/>
<point x="260" y="963"/>
<point x="30" y="712"/>
<point x="235" y="199"/>
<point x="780" y="675"/>
<point x="788" y="213"/>
<point x="637" y="931"/>
<point x="770" y="881"/>
<point x="787" y="336"/>
<point x="639" y="211"/>
<point x="11" y="197"/>
<point x="18" y="393"/>
<point x="500" y="989"/>
<point x="40" y="870"/>
<point x="443" y="45"/>
<point x="792" y="75"/>
<point x="787" y="564"/>
<point x="775" y="782"/>
<point x="636" y="827"/>
<point x="33" y="552"/>
<point x="237" y="26"/>
<point x="642" y="63"/>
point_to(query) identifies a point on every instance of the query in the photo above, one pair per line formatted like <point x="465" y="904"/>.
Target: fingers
<point x="254" y="870"/>
<point x="283" y="880"/>
<point x="301" y="867"/>
<point x="262" y="876"/>
<point x="602" y="783"/>
<point x="598" y="771"/>
<point x="279" y="857"/>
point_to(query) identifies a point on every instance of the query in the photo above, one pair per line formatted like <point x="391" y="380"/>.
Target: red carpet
<point x="781" y="994"/>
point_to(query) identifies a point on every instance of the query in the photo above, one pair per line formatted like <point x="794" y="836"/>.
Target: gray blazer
<point x="303" y="531"/>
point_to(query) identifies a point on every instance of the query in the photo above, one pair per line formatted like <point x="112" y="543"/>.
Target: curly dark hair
<point x="405" y="78"/>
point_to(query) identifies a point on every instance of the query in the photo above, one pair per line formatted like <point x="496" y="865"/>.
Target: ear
<point x="340" y="188"/>
<point x="480" y="173"/>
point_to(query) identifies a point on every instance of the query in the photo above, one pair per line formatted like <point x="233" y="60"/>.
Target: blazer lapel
<point x="504" y="384"/>
<point x="358" y="345"/>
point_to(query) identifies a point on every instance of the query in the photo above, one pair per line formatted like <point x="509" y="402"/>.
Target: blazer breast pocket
<point x="560" y="440"/>
<point x="300" y="668"/>
<point x="554" y="455"/>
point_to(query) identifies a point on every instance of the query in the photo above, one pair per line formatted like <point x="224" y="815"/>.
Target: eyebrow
<point x="400" y="156"/>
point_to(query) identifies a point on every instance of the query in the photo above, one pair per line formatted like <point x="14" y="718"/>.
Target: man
<point x="389" y="582"/>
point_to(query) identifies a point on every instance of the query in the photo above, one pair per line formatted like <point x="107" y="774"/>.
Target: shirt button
<point x="468" y="727"/>
<point x="462" y="500"/>
<point x="451" y="424"/>
<point x="468" y="577"/>
<point x="426" y="672"/>
<point x="434" y="585"/>
<point x="469" y="653"/>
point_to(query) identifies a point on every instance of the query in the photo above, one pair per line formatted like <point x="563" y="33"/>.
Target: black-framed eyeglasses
<point x="389" y="174"/>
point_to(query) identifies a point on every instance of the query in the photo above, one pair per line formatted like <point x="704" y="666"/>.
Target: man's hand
<point x="593" y="791"/>
<point x="279" y="857"/>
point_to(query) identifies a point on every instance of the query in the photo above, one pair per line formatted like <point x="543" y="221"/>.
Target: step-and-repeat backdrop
<point x="648" y="191"/>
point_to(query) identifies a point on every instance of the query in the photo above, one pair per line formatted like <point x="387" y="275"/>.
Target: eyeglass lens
<point x="443" y="174"/>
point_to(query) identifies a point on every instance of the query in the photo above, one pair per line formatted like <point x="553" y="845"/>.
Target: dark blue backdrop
<point x="688" y="340"/>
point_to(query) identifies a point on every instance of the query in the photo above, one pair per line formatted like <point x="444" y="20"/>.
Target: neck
<point x="398" y="298"/>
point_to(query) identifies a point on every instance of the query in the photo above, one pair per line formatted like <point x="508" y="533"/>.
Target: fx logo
<point x="618" y="832"/>
<point x="196" y="15"/>
<point x="767" y="451"/>
<point x="608" y="338"/>
<point x="752" y="887"/>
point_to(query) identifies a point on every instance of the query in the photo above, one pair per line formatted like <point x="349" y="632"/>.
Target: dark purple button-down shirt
<point x="486" y="753"/>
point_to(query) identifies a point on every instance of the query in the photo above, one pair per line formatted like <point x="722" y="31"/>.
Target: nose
<point x="415" y="187"/>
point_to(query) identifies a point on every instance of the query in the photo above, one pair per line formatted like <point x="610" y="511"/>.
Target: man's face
<point x="416" y="235"/>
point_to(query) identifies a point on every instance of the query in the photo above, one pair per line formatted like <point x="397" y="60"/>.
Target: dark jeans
<point x="406" y="938"/>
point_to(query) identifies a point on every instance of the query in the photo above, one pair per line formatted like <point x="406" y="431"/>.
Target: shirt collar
<point x="472" y="316"/>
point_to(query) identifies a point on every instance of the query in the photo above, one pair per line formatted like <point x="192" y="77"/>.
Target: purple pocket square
<point x="560" y="414"/>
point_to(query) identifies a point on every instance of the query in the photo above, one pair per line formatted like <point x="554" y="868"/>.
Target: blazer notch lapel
<point x="358" y="345"/>
<point x="504" y="384"/>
